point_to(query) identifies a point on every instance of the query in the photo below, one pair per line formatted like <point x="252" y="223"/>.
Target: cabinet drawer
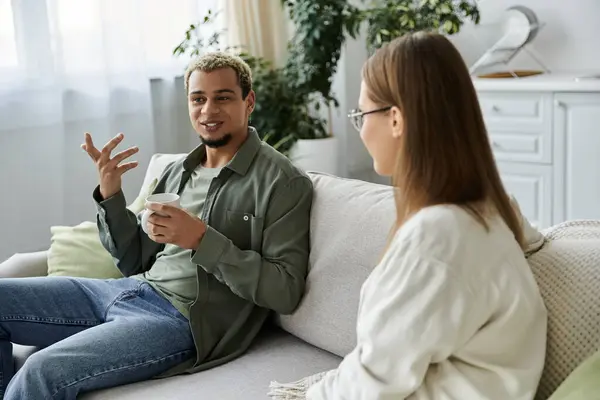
<point x="519" y="125"/>
<point x="531" y="185"/>
<point x="514" y="107"/>
<point x="521" y="146"/>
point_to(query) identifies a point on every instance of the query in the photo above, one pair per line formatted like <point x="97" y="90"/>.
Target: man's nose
<point x="211" y="107"/>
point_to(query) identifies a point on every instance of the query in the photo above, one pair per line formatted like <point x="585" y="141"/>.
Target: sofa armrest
<point x="23" y="265"/>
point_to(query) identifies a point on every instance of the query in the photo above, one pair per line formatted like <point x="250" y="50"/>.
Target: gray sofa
<point x="350" y="221"/>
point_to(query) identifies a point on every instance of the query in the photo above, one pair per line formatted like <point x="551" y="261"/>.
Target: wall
<point x="568" y="42"/>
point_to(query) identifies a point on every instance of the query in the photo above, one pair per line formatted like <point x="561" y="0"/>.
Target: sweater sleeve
<point x="414" y="312"/>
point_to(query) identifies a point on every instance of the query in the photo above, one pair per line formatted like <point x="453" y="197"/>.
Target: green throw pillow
<point x="76" y="250"/>
<point x="583" y="383"/>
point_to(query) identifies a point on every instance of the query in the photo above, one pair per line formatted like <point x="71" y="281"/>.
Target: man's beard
<point x="216" y="143"/>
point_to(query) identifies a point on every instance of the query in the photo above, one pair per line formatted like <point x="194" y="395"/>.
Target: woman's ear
<point x="397" y="122"/>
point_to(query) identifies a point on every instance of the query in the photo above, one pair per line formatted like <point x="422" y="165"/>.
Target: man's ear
<point x="397" y="122"/>
<point x="251" y="101"/>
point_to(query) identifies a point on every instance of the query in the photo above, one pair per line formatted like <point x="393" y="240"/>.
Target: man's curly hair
<point x="216" y="60"/>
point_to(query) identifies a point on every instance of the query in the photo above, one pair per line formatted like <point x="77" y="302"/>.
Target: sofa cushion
<point x="77" y="251"/>
<point x="276" y="355"/>
<point x="583" y="383"/>
<point x="567" y="269"/>
<point x="21" y="353"/>
<point x="350" y="222"/>
<point x="157" y="165"/>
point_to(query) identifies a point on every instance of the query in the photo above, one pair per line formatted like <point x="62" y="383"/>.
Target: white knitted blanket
<point x="566" y="264"/>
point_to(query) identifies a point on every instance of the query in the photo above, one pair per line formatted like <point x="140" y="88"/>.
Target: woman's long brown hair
<point x="445" y="155"/>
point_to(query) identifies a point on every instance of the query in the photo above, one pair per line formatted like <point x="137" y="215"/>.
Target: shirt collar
<point x="240" y="163"/>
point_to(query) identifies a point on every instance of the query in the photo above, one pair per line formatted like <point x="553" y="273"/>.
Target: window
<point x="133" y="31"/>
<point x="74" y="37"/>
<point x="164" y="39"/>
<point x="79" y="35"/>
<point x="8" y="46"/>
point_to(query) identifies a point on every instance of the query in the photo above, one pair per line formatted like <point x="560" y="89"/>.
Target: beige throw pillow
<point x="76" y="250"/>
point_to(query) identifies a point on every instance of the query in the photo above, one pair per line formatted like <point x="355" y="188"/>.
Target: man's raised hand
<point x="110" y="169"/>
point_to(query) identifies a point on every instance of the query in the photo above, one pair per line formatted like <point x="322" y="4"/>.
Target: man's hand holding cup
<point x="166" y="222"/>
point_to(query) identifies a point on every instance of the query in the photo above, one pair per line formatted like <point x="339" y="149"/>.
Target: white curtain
<point x="71" y="66"/>
<point x="262" y="27"/>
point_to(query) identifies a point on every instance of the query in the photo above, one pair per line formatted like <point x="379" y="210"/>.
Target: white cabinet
<point x="545" y="133"/>
<point x="577" y="149"/>
<point x="532" y="187"/>
<point x="520" y="129"/>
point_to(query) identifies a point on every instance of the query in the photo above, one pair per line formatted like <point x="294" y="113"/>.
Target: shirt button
<point x="246" y="218"/>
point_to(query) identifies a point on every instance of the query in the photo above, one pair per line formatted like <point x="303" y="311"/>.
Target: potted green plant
<point x="389" y="19"/>
<point x="282" y="114"/>
<point x="321" y="27"/>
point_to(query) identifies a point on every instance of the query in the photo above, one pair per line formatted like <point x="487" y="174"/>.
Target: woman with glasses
<point x="452" y="311"/>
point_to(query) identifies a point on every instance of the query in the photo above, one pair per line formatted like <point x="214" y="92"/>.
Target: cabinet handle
<point x="496" y="145"/>
<point x="559" y="103"/>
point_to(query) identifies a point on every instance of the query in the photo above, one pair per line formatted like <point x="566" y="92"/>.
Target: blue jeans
<point x="93" y="334"/>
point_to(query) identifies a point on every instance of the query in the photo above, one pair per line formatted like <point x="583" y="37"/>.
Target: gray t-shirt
<point x="173" y="273"/>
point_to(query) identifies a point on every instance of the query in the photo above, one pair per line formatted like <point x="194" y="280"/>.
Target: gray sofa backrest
<point x="567" y="270"/>
<point x="350" y="221"/>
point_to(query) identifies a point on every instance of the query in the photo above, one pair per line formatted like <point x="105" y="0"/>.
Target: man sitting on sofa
<point x="199" y="286"/>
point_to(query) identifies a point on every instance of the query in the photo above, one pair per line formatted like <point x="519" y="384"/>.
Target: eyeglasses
<point x="357" y="116"/>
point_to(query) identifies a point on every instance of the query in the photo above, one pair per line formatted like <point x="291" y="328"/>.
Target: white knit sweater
<point x="452" y="312"/>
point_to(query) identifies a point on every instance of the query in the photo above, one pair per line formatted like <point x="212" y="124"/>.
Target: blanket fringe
<point x="293" y="390"/>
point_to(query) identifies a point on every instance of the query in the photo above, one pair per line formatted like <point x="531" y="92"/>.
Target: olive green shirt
<point x="253" y="257"/>
<point x="173" y="274"/>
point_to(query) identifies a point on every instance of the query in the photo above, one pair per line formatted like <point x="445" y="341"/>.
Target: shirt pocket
<point x="244" y="229"/>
